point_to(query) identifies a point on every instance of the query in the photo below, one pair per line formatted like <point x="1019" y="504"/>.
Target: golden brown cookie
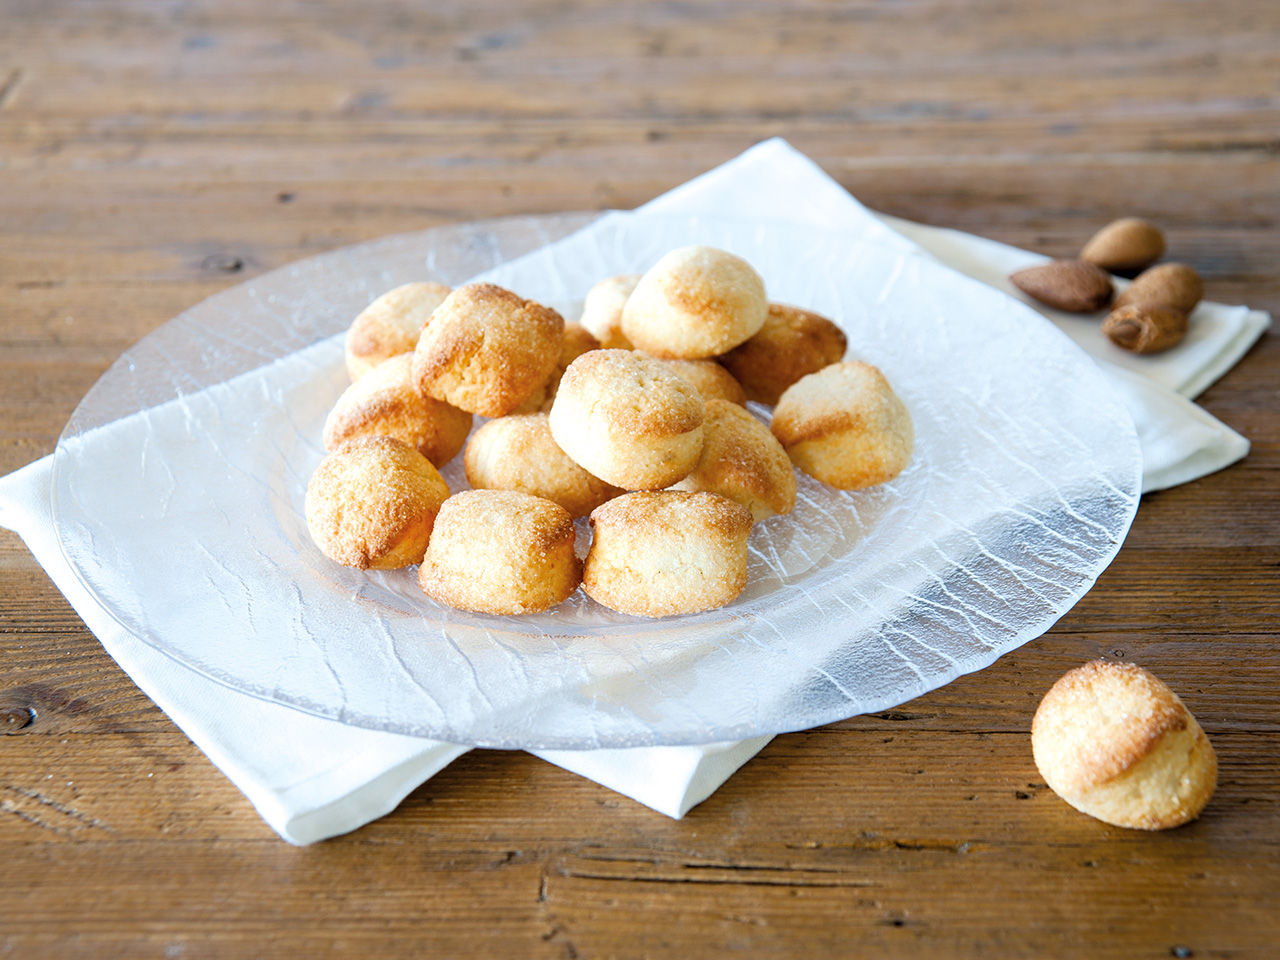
<point x="602" y="310"/>
<point x="372" y="503"/>
<point x="743" y="461"/>
<point x="487" y="349"/>
<point x="391" y="325"/>
<point x="845" y="426"/>
<point x="385" y="401"/>
<point x="627" y="419"/>
<point x="793" y="343"/>
<point x="1117" y="744"/>
<point x="667" y="552"/>
<point x="694" y="303"/>
<point x="517" y="452"/>
<point x="712" y="381"/>
<point x="501" y="551"/>
<point x="576" y="341"/>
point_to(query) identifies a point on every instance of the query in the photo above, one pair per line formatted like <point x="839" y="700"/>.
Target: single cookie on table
<point x="627" y="419"/>
<point x="487" y="350"/>
<point x="743" y="461"/>
<point x="793" y="343"/>
<point x="657" y="554"/>
<point x="385" y="401"/>
<point x="712" y="381"/>
<point x="1116" y="743"/>
<point x="390" y="325"/>
<point x="372" y="503"/>
<point x="576" y="341"/>
<point x="845" y="426"/>
<point x="502" y="552"/>
<point x="517" y="452"/>
<point x="696" y="302"/>
<point x="602" y="310"/>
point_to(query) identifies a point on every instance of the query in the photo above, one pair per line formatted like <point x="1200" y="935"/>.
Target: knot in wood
<point x="14" y="718"/>
<point x="223" y="263"/>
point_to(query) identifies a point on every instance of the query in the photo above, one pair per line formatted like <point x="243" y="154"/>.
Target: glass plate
<point x="179" y="483"/>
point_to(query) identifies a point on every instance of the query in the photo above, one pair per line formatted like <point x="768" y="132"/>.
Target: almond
<point x="1125" y="245"/>
<point x="1071" y="285"/>
<point x="1145" y="328"/>
<point x="1170" y="284"/>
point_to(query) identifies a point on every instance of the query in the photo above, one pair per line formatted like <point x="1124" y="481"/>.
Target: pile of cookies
<point x="635" y="417"/>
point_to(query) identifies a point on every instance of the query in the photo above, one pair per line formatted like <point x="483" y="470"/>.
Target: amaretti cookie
<point x="666" y="553"/>
<point x="487" y="349"/>
<point x="391" y="325"/>
<point x="743" y="461"/>
<point x="627" y="419"/>
<point x="372" y="503"/>
<point x="602" y="310"/>
<point x="696" y="302"/>
<point x="385" y="401"/>
<point x="793" y="343"/>
<point x="1116" y="743"/>
<point x="517" y="452"/>
<point x="712" y="381"/>
<point x="501" y="551"/>
<point x="845" y="426"/>
<point x="575" y="341"/>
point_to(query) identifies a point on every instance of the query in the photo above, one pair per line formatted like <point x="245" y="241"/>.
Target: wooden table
<point x="154" y="153"/>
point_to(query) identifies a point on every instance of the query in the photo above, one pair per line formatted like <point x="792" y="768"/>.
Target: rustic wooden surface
<point x="154" y="153"/>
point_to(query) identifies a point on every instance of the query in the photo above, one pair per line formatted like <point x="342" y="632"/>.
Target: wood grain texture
<point x="154" y="153"/>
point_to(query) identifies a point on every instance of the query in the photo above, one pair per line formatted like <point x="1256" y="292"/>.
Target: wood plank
<point x="871" y="865"/>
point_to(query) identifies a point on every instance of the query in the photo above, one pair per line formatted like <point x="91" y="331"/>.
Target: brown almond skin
<point x="1124" y="246"/>
<point x="1170" y="284"/>
<point x="1071" y="285"/>
<point x="1145" y="328"/>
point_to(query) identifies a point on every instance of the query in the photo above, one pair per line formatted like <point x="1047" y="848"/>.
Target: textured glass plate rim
<point x="557" y="226"/>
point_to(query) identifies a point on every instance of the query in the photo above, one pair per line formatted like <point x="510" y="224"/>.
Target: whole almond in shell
<point x="1125" y="245"/>
<point x="1071" y="285"/>
<point x="1145" y="328"/>
<point x="1169" y="284"/>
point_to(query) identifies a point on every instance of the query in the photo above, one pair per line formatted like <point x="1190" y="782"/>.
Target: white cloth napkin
<point x="1218" y="337"/>
<point x="312" y="778"/>
<point x="1180" y="442"/>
